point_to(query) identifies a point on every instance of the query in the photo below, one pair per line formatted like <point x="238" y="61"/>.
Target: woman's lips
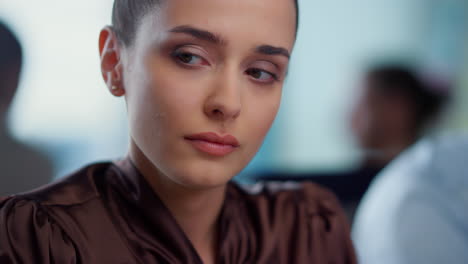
<point x="213" y="144"/>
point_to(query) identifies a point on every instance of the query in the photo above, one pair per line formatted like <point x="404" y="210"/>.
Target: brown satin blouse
<point x="108" y="213"/>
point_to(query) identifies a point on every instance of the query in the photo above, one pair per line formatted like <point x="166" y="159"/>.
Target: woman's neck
<point x="195" y="210"/>
<point x="197" y="213"/>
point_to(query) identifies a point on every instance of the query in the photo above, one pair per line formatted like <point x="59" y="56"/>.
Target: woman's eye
<point x="189" y="59"/>
<point x="261" y="75"/>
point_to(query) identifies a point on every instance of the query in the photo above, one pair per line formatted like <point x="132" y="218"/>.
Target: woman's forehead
<point x="232" y="20"/>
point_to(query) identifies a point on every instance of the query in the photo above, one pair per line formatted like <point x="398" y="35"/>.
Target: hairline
<point x="129" y="40"/>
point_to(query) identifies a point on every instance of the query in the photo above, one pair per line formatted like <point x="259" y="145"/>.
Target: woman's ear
<point x="109" y="51"/>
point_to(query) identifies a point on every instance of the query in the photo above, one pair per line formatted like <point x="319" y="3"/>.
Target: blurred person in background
<point x="394" y="108"/>
<point x="416" y="209"/>
<point x="22" y="167"/>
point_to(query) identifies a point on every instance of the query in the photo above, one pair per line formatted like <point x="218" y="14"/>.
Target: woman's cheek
<point x="261" y="118"/>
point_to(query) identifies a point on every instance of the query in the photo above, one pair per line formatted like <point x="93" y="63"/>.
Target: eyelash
<point x="273" y="76"/>
<point x="178" y="54"/>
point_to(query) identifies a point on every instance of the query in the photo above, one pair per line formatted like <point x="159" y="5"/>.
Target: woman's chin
<point x="203" y="178"/>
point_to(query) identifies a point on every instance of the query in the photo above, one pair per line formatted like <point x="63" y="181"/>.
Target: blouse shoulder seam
<point x="43" y="202"/>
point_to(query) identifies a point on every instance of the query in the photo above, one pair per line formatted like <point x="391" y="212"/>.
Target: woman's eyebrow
<point x="199" y="34"/>
<point x="270" y="50"/>
<point x="216" y="39"/>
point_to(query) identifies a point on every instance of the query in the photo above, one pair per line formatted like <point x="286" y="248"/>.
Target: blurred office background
<point x="63" y="108"/>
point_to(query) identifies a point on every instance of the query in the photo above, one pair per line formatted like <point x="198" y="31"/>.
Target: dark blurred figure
<point x="21" y="167"/>
<point x="393" y="111"/>
<point x="394" y="108"/>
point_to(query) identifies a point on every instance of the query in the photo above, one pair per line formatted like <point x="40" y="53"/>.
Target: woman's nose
<point x="224" y="100"/>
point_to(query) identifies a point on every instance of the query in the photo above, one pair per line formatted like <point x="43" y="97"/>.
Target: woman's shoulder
<point x="304" y="217"/>
<point x="76" y="188"/>
<point x="28" y="233"/>
<point x="310" y="196"/>
<point x="295" y="204"/>
<point x="53" y="202"/>
<point x="59" y="221"/>
<point x="62" y="202"/>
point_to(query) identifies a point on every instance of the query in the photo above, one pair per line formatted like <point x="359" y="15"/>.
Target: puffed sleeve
<point x="29" y="235"/>
<point x="328" y="232"/>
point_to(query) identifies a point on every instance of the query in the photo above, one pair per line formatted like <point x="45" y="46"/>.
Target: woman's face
<point x="203" y="82"/>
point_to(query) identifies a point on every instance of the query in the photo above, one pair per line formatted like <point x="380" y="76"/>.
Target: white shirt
<point x="416" y="210"/>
